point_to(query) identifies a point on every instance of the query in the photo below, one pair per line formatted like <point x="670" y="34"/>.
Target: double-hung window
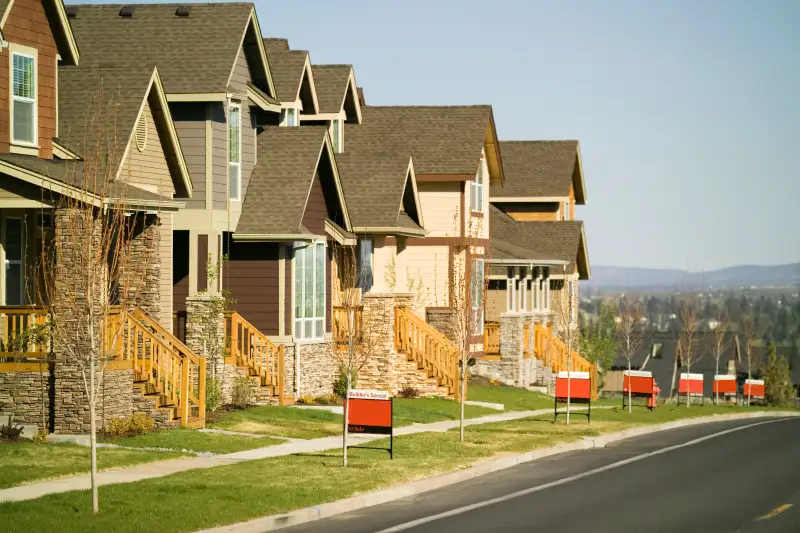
<point x="309" y="292"/>
<point x="364" y="274"/>
<point x="337" y="136"/>
<point x="476" y="293"/>
<point x="23" y="99"/>
<point x="476" y="190"/>
<point x="235" y="152"/>
<point x="290" y="117"/>
<point x="13" y="247"/>
<point x="573" y="309"/>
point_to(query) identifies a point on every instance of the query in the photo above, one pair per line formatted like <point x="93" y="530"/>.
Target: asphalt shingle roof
<point x="194" y="54"/>
<point x="441" y="139"/>
<point x="537" y="168"/>
<point x="280" y="181"/>
<point x="287" y="68"/>
<point x="331" y="84"/>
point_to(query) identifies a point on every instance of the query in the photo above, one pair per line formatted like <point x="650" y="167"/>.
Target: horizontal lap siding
<point x="27" y="25"/>
<point x="429" y="265"/>
<point x="148" y="168"/>
<point x="441" y="204"/>
<point x="190" y="123"/>
<point x="219" y="134"/>
<point x="316" y="211"/>
<point x="252" y="279"/>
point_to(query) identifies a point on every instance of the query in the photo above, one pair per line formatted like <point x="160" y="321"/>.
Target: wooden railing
<point x="341" y="326"/>
<point x="432" y="351"/>
<point x="20" y="336"/>
<point x="252" y="349"/>
<point x="491" y="338"/>
<point x="553" y="352"/>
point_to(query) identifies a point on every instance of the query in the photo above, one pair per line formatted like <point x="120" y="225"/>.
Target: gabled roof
<point x="336" y="89"/>
<point x="375" y="188"/>
<point x="445" y="141"/>
<point x="289" y="160"/>
<point x="194" y="54"/>
<point x="62" y="32"/>
<point x="562" y="240"/>
<point x="116" y="97"/>
<point x="291" y="70"/>
<point x="540" y="169"/>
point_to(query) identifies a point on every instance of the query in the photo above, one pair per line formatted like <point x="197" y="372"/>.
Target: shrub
<point x="340" y="385"/>
<point x="408" y="392"/>
<point x="305" y="399"/>
<point x="138" y="424"/>
<point x="10" y="432"/>
<point x="328" y="399"/>
<point x="213" y="394"/>
<point x="242" y="394"/>
<point x="40" y="437"/>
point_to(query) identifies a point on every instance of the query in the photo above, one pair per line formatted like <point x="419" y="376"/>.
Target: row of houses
<point x="232" y="145"/>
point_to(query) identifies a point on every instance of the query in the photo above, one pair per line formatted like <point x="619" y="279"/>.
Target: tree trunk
<point x="674" y="373"/>
<point x="716" y="373"/>
<point x="630" y="388"/>
<point x="688" y="388"/>
<point x="569" y="372"/>
<point x="463" y="399"/>
<point x="93" y="437"/>
<point x="346" y="410"/>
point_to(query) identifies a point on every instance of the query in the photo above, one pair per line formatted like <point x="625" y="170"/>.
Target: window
<point x="235" y="152"/>
<point x="573" y="304"/>
<point x="566" y="210"/>
<point x="476" y="294"/>
<point x="365" y="264"/>
<point x="476" y="190"/>
<point x="13" y="245"/>
<point x="309" y="292"/>
<point x="337" y="136"/>
<point x="289" y="117"/>
<point x="23" y="113"/>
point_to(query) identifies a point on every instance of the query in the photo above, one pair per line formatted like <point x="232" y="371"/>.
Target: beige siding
<point x="478" y="226"/>
<point x="148" y="168"/>
<point x="495" y="304"/>
<point x="190" y="123"/>
<point x="441" y="204"/>
<point x="429" y="264"/>
<point x="165" y="256"/>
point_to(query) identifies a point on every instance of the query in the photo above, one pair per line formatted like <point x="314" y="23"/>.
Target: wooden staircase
<point x="429" y="349"/>
<point x="553" y="352"/>
<point x="259" y="357"/>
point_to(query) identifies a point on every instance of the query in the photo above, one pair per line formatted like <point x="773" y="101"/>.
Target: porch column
<point x="524" y="306"/>
<point x="401" y="266"/>
<point x="509" y="288"/>
<point x="143" y="275"/>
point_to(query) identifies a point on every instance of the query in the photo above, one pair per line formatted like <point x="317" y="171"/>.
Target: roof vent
<point x="72" y="12"/>
<point x="183" y="11"/>
<point x="141" y="133"/>
<point x="126" y="11"/>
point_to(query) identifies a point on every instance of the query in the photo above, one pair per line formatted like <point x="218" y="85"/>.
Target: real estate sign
<point x="370" y="412"/>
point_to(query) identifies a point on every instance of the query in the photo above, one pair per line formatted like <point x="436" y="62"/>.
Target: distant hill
<point x="736" y="276"/>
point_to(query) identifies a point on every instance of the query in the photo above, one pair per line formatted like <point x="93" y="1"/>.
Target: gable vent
<point x="183" y="11"/>
<point x="72" y="12"/>
<point x="126" y="11"/>
<point x="141" y="133"/>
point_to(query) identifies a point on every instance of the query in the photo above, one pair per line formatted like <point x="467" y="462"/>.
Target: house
<point x="100" y="136"/>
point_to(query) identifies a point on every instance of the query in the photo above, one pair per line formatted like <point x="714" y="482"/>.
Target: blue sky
<point x="688" y="112"/>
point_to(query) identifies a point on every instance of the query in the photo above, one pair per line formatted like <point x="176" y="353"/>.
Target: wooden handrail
<point x="168" y="337"/>
<point x="546" y="343"/>
<point x="431" y="350"/>
<point x="491" y="338"/>
<point x="14" y="322"/>
<point x="251" y="348"/>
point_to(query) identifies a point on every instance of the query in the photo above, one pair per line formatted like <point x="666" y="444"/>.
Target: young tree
<point x="720" y="343"/>
<point x="688" y="339"/>
<point x="91" y="277"/>
<point x="357" y="341"/>
<point x="748" y="330"/>
<point x="777" y="379"/>
<point x="565" y="315"/>
<point x="630" y="334"/>
<point x="598" y="340"/>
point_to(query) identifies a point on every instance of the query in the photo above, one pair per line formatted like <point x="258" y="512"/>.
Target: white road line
<point x="460" y="510"/>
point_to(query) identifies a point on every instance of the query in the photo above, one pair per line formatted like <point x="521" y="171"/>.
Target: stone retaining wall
<point x="21" y="395"/>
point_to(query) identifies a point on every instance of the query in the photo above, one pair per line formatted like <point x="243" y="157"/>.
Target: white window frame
<point x="20" y="261"/>
<point x="476" y="292"/>
<point x="237" y="197"/>
<point x="566" y="209"/>
<point x="476" y="190"/>
<point x="573" y="315"/>
<point x="364" y="261"/>
<point x="33" y="100"/>
<point x="299" y="323"/>
<point x="290" y="112"/>
<point x="337" y="135"/>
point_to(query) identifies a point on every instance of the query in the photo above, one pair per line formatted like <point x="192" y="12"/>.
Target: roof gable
<point x="336" y="91"/>
<point x="541" y="169"/>
<point x="194" y="54"/>
<point x="59" y="26"/>
<point x="292" y="74"/>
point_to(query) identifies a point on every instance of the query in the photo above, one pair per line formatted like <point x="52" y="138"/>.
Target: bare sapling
<point x="720" y="344"/>
<point x="630" y="336"/>
<point x="565" y="316"/>
<point x="689" y="338"/>
<point x="751" y="356"/>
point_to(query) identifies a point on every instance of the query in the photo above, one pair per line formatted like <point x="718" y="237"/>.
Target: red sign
<point x="691" y="384"/>
<point x="724" y="384"/>
<point x="753" y="388"/>
<point x="579" y="388"/>
<point x="368" y="414"/>
<point x="638" y="384"/>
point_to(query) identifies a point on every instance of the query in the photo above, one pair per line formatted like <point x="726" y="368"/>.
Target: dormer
<point x="339" y="101"/>
<point x="544" y="180"/>
<point x="294" y="81"/>
<point x="37" y="38"/>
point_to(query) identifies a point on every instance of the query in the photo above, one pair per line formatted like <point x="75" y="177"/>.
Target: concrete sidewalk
<point x="173" y="466"/>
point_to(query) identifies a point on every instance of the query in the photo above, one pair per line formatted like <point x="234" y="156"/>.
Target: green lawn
<point x="425" y="410"/>
<point x="282" y="422"/>
<point x="242" y="491"/>
<point x="193" y="440"/>
<point x="514" y="399"/>
<point x="23" y="462"/>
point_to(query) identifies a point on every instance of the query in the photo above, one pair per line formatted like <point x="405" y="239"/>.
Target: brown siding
<point x="27" y="25"/>
<point x="288" y="288"/>
<point x="252" y="279"/>
<point x="219" y="158"/>
<point x="316" y="211"/>
<point x="190" y="123"/>
<point x="202" y="262"/>
<point x="532" y="211"/>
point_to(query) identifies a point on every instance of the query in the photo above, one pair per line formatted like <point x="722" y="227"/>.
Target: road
<point x="747" y="480"/>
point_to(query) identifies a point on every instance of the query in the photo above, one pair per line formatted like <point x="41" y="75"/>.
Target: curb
<point x="326" y="510"/>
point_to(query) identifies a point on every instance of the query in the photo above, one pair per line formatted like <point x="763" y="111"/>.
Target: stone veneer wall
<point x="21" y="395"/>
<point x="512" y="368"/>
<point x="318" y="368"/>
<point x="443" y="319"/>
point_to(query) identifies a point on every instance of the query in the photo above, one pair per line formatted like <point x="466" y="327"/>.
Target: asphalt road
<point x="742" y="481"/>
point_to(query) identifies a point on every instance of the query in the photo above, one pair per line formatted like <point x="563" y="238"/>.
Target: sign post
<point x="578" y="391"/>
<point x="370" y="412"/>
